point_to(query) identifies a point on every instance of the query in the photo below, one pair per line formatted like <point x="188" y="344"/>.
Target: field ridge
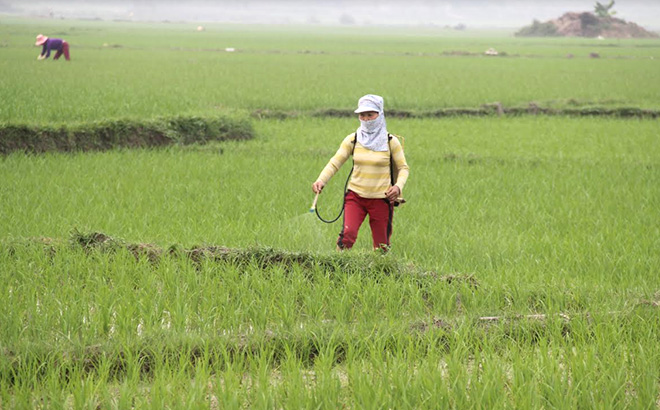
<point x="259" y="256"/>
<point x="485" y="110"/>
<point x="122" y="133"/>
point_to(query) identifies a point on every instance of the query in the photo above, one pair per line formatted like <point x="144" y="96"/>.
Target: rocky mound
<point x="585" y="25"/>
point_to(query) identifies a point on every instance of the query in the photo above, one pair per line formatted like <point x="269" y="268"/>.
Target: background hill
<point x="585" y="25"/>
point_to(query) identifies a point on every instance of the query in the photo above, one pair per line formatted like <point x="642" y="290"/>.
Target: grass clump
<point x="538" y="29"/>
<point x="125" y="133"/>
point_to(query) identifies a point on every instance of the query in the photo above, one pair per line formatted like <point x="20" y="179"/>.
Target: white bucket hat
<point x="370" y="102"/>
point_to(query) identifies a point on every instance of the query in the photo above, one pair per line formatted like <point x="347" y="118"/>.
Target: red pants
<point x="356" y="209"/>
<point x="65" y="50"/>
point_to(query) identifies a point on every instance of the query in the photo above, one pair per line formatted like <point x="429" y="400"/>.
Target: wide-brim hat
<point x="370" y="102"/>
<point x="40" y="40"/>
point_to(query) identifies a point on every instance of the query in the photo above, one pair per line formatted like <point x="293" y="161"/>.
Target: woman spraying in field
<point x="50" y="44"/>
<point x="379" y="174"/>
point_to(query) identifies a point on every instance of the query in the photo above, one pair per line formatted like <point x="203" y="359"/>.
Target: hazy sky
<point x="473" y="13"/>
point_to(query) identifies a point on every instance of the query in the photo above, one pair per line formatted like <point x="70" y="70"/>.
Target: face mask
<point x="370" y="126"/>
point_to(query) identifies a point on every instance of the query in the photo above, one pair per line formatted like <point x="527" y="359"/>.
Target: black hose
<point x="343" y="204"/>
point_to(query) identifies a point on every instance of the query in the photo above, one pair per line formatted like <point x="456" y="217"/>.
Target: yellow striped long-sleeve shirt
<point x="371" y="173"/>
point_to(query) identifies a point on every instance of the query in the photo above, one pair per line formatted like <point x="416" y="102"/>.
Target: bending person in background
<point x="49" y="44"/>
<point x="379" y="174"/>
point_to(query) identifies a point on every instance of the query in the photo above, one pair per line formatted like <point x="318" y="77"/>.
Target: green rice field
<point x="524" y="270"/>
<point x="128" y="70"/>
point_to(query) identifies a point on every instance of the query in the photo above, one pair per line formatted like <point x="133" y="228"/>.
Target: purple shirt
<point x="52" y="44"/>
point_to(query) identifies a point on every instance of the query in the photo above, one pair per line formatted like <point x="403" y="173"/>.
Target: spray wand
<point x="312" y="209"/>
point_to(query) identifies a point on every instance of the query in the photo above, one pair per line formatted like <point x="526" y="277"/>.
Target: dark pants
<point x="65" y="50"/>
<point x="356" y="209"/>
